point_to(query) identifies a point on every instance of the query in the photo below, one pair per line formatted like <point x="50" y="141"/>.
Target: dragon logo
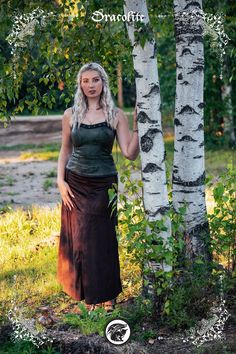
<point x="117" y="332"/>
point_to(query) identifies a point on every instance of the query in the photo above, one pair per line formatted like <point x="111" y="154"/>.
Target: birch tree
<point x="189" y="159"/>
<point x="228" y="119"/>
<point x="155" y="196"/>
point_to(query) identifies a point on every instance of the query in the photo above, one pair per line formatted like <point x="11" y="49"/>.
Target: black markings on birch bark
<point x="185" y="202"/>
<point x="161" y="211"/>
<point x="164" y="157"/>
<point x="196" y="68"/>
<point x="179" y="40"/>
<point x="137" y="75"/>
<point x="146" y="143"/>
<point x="147" y="139"/>
<point x="201" y="105"/>
<point x="142" y="117"/>
<point x="184" y="191"/>
<point x="140" y="104"/>
<point x="145" y="179"/>
<point x="188" y="29"/>
<point x="187" y="109"/>
<point x="184" y="83"/>
<point x="177" y="122"/>
<point x="199" y="61"/>
<point x="154" y="52"/>
<point x="201" y="145"/>
<point x="198" y="182"/>
<point x="154" y="90"/>
<point x="200" y="127"/>
<point x="186" y="51"/>
<point x="178" y="66"/>
<point x="192" y="3"/>
<point x="180" y="76"/>
<point x="195" y="39"/>
<point x="198" y="157"/>
<point x="151" y="167"/>
<point x="186" y="138"/>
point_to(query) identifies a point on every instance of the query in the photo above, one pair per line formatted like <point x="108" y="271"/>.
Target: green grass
<point x="25" y="348"/>
<point x="22" y="147"/>
<point x="28" y="261"/>
<point x="48" y="183"/>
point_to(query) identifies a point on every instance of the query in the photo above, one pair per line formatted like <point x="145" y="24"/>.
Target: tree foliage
<point x="45" y="70"/>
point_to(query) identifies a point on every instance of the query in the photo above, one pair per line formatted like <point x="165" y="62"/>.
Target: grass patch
<point x="23" y="147"/>
<point x="48" y="183"/>
<point x="25" y="348"/>
<point x="218" y="161"/>
<point x="28" y="262"/>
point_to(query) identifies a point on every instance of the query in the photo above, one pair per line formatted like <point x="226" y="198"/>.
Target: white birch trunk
<point x="228" y="117"/>
<point x="151" y="142"/>
<point x="189" y="157"/>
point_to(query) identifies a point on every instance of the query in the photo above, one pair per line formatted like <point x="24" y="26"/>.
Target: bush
<point x="222" y="221"/>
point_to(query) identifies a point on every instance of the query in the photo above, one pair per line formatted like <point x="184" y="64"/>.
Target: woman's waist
<point x="91" y="155"/>
<point x="93" y="178"/>
<point x="96" y="167"/>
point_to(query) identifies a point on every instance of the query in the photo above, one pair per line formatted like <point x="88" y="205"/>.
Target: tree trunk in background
<point x="189" y="158"/>
<point x="226" y="90"/>
<point x="151" y="141"/>
<point x="119" y="84"/>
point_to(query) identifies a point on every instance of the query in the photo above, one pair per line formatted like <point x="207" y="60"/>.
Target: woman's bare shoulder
<point x="120" y="116"/>
<point x="67" y="116"/>
<point x="120" y="113"/>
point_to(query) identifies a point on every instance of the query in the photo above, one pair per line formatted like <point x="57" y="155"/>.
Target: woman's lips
<point x="92" y="91"/>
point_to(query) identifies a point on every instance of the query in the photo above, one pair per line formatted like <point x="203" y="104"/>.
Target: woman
<point x="88" y="261"/>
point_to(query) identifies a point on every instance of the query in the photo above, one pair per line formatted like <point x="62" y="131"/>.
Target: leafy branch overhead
<point x="143" y="32"/>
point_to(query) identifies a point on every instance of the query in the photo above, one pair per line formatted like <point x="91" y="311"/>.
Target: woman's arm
<point x="66" y="146"/>
<point x="129" y="144"/>
<point x="64" y="155"/>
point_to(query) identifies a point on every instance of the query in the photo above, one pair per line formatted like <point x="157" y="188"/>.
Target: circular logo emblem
<point x="117" y="332"/>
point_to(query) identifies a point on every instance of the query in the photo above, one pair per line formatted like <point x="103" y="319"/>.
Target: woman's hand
<point x="66" y="193"/>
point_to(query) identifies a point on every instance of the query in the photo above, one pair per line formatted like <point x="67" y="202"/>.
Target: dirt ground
<point x="22" y="181"/>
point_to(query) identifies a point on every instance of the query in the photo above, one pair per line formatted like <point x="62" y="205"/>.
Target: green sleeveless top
<point x="92" y="150"/>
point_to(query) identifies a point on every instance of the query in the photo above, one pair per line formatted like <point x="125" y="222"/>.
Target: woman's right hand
<point x="66" y="193"/>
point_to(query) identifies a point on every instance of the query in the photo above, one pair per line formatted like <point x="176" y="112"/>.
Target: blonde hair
<point x="81" y="102"/>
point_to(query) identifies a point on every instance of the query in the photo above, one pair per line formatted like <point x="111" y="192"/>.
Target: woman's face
<point x="91" y="83"/>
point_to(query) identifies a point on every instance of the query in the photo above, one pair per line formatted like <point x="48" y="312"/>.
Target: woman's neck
<point x="93" y="105"/>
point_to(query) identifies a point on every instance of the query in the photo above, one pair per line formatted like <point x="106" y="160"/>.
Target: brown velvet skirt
<point x="88" y="260"/>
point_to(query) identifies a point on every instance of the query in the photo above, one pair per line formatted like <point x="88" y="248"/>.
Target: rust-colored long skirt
<point x="88" y="260"/>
